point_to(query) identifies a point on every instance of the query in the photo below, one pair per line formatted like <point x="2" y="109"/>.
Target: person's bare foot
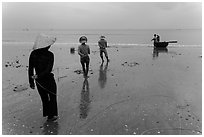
<point x="52" y="118"/>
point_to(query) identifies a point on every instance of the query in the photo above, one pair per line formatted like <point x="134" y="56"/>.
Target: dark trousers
<point x="85" y="64"/>
<point x="47" y="89"/>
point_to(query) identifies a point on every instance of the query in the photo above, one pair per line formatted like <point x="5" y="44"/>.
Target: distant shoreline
<point x="114" y="37"/>
<point x="27" y="29"/>
<point x="13" y="43"/>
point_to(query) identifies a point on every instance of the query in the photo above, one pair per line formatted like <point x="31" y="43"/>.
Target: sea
<point x="133" y="37"/>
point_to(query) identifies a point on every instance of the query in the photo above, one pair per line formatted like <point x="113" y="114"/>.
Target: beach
<point x="140" y="91"/>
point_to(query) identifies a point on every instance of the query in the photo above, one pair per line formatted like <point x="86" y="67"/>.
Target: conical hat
<point x="43" y="41"/>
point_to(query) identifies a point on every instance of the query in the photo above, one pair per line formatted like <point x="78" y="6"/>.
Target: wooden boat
<point x="159" y="49"/>
<point x="163" y="44"/>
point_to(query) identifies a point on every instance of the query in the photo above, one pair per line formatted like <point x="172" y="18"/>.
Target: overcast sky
<point x="134" y="15"/>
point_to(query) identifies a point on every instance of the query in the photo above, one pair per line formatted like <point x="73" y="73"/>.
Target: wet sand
<point x="141" y="91"/>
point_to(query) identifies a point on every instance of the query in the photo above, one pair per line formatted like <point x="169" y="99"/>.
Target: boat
<point x="163" y="44"/>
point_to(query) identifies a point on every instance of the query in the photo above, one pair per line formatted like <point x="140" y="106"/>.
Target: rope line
<point x="45" y="88"/>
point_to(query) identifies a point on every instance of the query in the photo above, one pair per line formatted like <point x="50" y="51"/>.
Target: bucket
<point x="72" y="50"/>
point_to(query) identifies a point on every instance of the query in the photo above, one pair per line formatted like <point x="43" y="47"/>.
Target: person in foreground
<point x="41" y="60"/>
<point x="84" y="51"/>
<point x="102" y="43"/>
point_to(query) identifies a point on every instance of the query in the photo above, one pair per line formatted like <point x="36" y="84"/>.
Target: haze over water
<point x="115" y="37"/>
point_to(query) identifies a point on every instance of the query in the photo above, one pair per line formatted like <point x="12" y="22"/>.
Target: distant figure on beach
<point x="83" y="51"/>
<point x="158" y="38"/>
<point x="103" y="75"/>
<point x="41" y="60"/>
<point x="154" y="38"/>
<point x="102" y="43"/>
<point x="85" y="100"/>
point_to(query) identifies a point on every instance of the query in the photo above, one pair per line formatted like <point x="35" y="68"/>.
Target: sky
<point x="101" y="15"/>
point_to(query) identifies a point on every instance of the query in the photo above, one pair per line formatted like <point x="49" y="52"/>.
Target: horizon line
<point x="75" y="29"/>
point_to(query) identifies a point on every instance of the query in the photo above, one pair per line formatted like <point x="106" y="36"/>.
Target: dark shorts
<point x="85" y="59"/>
<point x="103" y="51"/>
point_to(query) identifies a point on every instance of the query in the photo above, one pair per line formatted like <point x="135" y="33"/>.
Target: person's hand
<point x="34" y="76"/>
<point x="83" y="56"/>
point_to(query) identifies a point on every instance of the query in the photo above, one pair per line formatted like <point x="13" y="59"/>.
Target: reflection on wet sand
<point x="85" y="100"/>
<point x="156" y="52"/>
<point x="103" y="75"/>
<point x="50" y="128"/>
<point x="149" y="115"/>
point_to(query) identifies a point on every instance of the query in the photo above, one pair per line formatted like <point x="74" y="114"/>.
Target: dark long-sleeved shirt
<point x="42" y="61"/>
<point x="154" y="39"/>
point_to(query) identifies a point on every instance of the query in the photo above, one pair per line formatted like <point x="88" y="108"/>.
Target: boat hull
<point x="161" y="44"/>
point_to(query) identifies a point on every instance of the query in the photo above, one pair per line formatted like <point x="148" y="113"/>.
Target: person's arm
<point x="99" y="44"/>
<point x="106" y="44"/>
<point x="49" y="66"/>
<point x="154" y="38"/>
<point x="31" y="71"/>
<point x="79" y="52"/>
<point x="88" y="50"/>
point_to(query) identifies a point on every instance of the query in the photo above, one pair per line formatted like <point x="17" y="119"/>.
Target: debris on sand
<point x="131" y="64"/>
<point x="19" y="88"/>
<point x="81" y="72"/>
<point x="78" y="71"/>
<point x="15" y="64"/>
<point x="123" y="64"/>
<point x="95" y="52"/>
